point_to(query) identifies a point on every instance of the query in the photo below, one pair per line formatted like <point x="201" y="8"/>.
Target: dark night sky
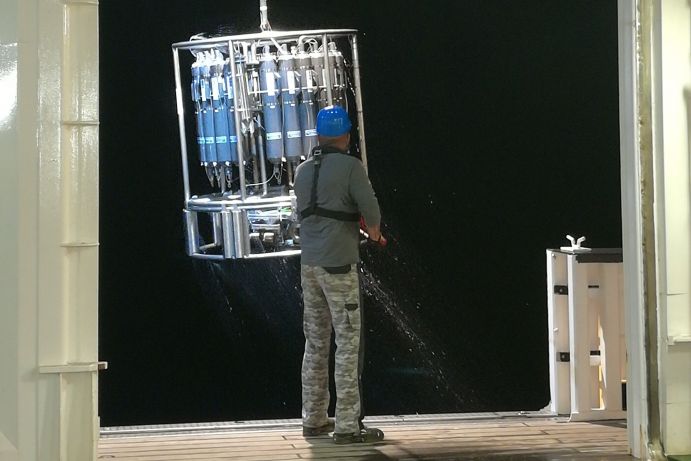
<point x="492" y="131"/>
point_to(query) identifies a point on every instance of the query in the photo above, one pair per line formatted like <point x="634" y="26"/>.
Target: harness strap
<point x="318" y="152"/>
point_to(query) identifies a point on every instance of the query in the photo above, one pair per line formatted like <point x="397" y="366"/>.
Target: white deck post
<point x="558" y="333"/>
<point x="578" y="338"/>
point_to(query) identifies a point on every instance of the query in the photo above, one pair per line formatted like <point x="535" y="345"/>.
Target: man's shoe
<point x="366" y="435"/>
<point x="321" y="430"/>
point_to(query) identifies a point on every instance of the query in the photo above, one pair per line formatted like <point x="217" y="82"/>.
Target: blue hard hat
<point x="333" y="121"/>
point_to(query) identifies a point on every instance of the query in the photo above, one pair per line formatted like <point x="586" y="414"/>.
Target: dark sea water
<point x="492" y="132"/>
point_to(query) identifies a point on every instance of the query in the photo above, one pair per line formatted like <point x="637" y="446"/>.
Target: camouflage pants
<point x="331" y="300"/>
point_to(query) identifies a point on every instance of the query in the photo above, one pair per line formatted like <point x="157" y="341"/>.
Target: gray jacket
<point x="343" y="186"/>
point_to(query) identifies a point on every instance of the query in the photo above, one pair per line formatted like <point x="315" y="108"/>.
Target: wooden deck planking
<point x="404" y="441"/>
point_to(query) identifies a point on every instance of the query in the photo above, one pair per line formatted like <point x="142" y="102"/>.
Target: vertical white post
<point x="629" y="132"/>
<point x="578" y="341"/>
<point x="558" y="333"/>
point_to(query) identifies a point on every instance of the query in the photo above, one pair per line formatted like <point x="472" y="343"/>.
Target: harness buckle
<point x="317" y="154"/>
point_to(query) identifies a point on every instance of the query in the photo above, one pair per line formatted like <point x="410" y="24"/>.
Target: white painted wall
<point x="48" y="229"/>
<point x="674" y="224"/>
<point x="667" y="71"/>
<point x="9" y="293"/>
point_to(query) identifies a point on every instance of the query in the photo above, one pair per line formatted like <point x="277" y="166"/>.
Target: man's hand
<point x="374" y="233"/>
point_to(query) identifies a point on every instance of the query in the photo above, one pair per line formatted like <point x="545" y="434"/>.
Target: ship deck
<point x="411" y="438"/>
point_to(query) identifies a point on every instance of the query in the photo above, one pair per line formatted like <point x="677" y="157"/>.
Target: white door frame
<point x="654" y="74"/>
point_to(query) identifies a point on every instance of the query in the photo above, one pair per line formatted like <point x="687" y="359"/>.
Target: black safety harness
<point x="318" y="153"/>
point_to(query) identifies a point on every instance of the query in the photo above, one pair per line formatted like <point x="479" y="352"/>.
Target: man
<point x="333" y="192"/>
